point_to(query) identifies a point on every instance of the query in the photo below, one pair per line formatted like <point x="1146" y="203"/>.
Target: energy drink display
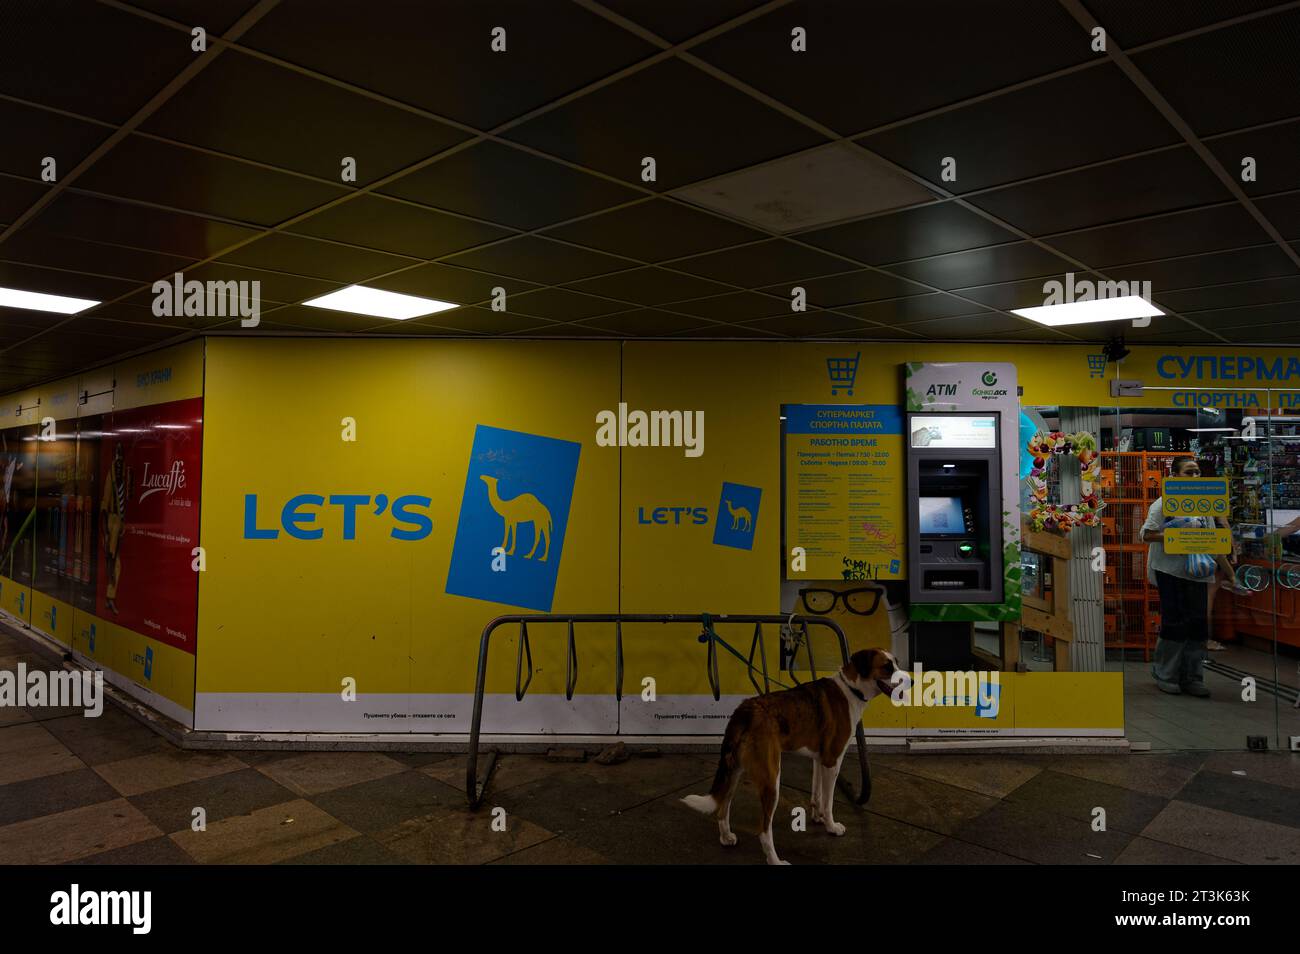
<point x="18" y="507"/>
<point x="56" y="480"/>
<point x="83" y="514"/>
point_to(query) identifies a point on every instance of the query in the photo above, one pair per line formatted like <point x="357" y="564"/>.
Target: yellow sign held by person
<point x="1196" y="502"/>
<point x="1192" y="540"/>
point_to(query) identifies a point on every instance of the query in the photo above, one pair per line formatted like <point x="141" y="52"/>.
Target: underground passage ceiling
<point x="648" y="168"/>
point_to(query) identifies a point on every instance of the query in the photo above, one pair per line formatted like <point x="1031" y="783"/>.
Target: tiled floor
<point x="1174" y="723"/>
<point x="1178" y="723"/>
<point x="109" y="791"/>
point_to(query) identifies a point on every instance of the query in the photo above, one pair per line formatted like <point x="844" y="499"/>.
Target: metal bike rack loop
<point x="475" y="790"/>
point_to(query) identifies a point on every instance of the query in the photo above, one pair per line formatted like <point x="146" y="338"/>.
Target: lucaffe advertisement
<point x="148" y="505"/>
<point x="101" y="522"/>
<point x="133" y="529"/>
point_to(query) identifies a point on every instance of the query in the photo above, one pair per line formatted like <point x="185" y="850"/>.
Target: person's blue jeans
<point x="1184" y="630"/>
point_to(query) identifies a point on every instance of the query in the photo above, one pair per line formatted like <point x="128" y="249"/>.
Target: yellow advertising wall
<point x="15" y="598"/>
<point x="288" y="627"/>
<point x="1251" y="379"/>
<point x="677" y="568"/>
<point x="166" y="375"/>
<point x="1085" y="704"/>
<point x="158" y="377"/>
<point x="1067" y="375"/>
<point x="283" y="622"/>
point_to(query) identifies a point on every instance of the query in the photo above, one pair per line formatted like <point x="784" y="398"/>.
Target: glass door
<point x="1262" y="623"/>
<point x="1197" y="635"/>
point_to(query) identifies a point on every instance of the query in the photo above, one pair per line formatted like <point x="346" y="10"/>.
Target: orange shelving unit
<point x="1130" y="484"/>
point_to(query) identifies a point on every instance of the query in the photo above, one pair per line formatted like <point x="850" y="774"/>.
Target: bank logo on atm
<point x="517" y="494"/>
<point x="737" y="516"/>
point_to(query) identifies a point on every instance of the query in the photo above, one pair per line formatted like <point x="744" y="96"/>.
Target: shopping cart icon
<point x="1096" y="365"/>
<point x="843" y="372"/>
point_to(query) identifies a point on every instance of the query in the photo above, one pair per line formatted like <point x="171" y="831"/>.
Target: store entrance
<point x="1209" y="645"/>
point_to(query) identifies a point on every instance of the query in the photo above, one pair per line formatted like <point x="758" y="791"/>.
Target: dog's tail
<point x="704" y="804"/>
<point x="728" y="762"/>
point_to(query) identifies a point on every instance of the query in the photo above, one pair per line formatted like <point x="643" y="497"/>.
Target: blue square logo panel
<point x="993" y="693"/>
<point x="737" y="516"/>
<point x="516" y="498"/>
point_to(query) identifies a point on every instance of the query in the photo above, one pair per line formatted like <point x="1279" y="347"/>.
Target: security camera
<point x="1114" y="349"/>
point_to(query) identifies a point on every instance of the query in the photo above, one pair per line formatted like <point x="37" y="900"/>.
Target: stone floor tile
<point x="166" y="767"/>
<point x="66" y="836"/>
<point x="264" y="836"/>
<point x="312" y="773"/>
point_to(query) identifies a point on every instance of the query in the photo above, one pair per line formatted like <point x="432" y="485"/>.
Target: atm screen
<point x="941" y="515"/>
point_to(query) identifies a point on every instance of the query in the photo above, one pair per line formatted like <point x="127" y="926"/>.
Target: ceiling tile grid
<point x="631" y="168"/>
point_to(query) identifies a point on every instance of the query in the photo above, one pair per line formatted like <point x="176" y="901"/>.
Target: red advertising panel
<point x="148" y="516"/>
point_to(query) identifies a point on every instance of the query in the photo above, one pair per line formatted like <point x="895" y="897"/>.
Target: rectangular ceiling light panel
<point x="360" y="300"/>
<point x="1086" y="312"/>
<point x="36" y="301"/>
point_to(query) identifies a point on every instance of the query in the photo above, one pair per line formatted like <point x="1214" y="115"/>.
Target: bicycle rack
<point x="475" y="790"/>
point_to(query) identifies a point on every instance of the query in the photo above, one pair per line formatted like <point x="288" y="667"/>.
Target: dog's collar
<point x="840" y="677"/>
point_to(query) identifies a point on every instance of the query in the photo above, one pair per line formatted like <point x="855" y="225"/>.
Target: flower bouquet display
<point x="1059" y="518"/>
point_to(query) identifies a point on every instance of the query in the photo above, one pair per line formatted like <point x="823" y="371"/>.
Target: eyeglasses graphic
<point x="862" y="601"/>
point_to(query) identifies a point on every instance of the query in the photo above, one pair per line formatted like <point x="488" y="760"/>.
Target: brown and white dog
<point x="816" y="719"/>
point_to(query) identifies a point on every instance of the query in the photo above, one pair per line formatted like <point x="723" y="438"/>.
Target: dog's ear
<point x="872" y="664"/>
<point x="887" y="663"/>
<point x="861" y="664"/>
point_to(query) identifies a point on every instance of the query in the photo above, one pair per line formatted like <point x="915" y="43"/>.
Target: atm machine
<point x="955" y="520"/>
<point x="954" y="490"/>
